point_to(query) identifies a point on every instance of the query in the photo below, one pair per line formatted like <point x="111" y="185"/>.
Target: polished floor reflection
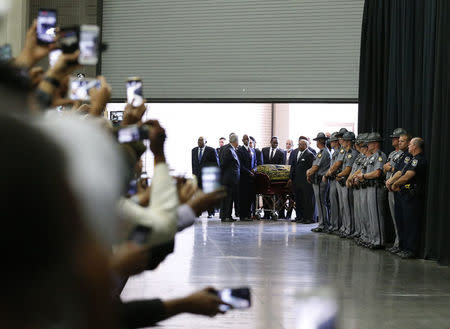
<point x="278" y="260"/>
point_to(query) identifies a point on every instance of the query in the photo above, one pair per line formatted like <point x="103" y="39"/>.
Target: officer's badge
<point x="342" y="150"/>
<point x="319" y="155"/>
<point x="407" y="159"/>
<point x="349" y="156"/>
<point x="380" y="159"/>
<point x="414" y="163"/>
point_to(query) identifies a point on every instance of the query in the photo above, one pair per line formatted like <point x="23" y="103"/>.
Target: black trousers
<point x="304" y="202"/>
<point x="409" y="211"/>
<point x="226" y="206"/>
<point x="246" y="196"/>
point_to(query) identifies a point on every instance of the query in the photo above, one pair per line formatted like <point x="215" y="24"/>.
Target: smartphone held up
<point x="46" y="26"/>
<point x="135" y="94"/>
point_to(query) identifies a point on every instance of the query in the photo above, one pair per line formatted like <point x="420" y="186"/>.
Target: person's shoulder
<point x="209" y="148"/>
<point x="195" y="148"/>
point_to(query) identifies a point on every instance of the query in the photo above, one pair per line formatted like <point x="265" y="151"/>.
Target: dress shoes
<point x="227" y="220"/>
<point x="376" y="247"/>
<point x="307" y="221"/>
<point x="246" y="219"/>
<point x="317" y="230"/>
<point x="406" y="255"/>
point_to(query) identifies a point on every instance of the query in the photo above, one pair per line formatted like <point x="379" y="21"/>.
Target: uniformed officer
<point x="388" y="169"/>
<point x="314" y="175"/>
<point x="335" y="216"/>
<point x="357" y="165"/>
<point x="376" y="194"/>
<point x="361" y="186"/>
<point x="336" y="169"/>
<point x="411" y="187"/>
<point x="348" y="224"/>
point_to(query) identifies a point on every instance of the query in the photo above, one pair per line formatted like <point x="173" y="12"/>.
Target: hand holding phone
<point x="79" y="88"/>
<point x="132" y="133"/>
<point x="238" y="298"/>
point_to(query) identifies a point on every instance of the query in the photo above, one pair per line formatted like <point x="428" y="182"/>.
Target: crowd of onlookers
<point x="79" y="217"/>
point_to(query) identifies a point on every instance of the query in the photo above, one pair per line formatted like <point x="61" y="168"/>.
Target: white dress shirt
<point x="288" y="154"/>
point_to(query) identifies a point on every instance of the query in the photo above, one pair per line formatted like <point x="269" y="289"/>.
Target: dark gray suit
<point x="230" y="166"/>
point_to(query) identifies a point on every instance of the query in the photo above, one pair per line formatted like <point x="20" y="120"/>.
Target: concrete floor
<point x="279" y="260"/>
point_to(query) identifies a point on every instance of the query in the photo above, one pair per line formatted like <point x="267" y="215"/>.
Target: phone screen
<point x="88" y="45"/>
<point x="238" y="298"/>
<point x="135" y="92"/>
<point x="53" y="56"/>
<point x="129" y="134"/>
<point x="140" y="234"/>
<point x="79" y="88"/>
<point x="210" y="179"/>
<point x="68" y="39"/>
<point x="46" y="24"/>
<point x="5" y="52"/>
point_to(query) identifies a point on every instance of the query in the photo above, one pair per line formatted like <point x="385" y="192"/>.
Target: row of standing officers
<point x="350" y="184"/>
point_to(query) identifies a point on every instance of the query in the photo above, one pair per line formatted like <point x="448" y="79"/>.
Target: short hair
<point x="252" y="138"/>
<point x="273" y="137"/>
<point x="229" y="136"/>
<point x="408" y="136"/>
<point x="222" y="138"/>
<point x="419" y="142"/>
<point x="233" y="138"/>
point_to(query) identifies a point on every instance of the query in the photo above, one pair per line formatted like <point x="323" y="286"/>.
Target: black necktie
<point x="200" y="155"/>
<point x="271" y="154"/>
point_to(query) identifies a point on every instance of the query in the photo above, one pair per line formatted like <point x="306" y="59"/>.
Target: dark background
<point x="404" y="82"/>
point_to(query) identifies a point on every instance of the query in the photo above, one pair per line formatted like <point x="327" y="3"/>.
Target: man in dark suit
<point x="259" y="158"/>
<point x="222" y="141"/>
<point x="247" y="158"/>
<point x="302" y="160"/>
<point x="230" y="166"/>
<point x="272" y="154"/>
<point x="203" y="156"/>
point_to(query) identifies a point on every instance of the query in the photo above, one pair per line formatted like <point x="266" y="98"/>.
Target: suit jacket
<point x="259" y="157"/>
<point x="229" y="165"/>
<point x="289" y="160"/>
<point x="209" y="158"/>
<point x="300" y="166"/>
<point x="248" y="163"/>
<point x="313" y="151"/>
<point x="278" y="158"/>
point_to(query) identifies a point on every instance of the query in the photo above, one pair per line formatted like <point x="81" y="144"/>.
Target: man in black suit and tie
<point x="302" y="160"/>
<point x="272" y="154"/>
<point x="203" y="156"/>
<point x="247" y="158"/>
<point x="259" y="158"/>
<point x="231" y="167"/>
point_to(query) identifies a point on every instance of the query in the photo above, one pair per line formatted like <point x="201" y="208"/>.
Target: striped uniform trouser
<point x="320" y="194"/>
<point x="376" y="198"/>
